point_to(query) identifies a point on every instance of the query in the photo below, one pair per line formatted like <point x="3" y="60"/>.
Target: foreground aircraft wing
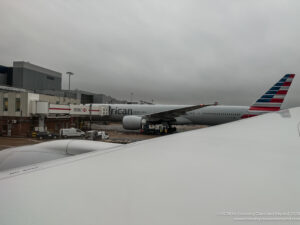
<point x="235" y="173"/>
<point x="51" y="150"/>
<point x="171" y="114"/>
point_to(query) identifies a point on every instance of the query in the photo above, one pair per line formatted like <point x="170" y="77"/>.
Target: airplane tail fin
<point x="273" y="98"/>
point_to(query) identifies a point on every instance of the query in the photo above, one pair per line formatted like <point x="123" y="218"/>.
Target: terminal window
<point x="50" y="78"/>
<point x="18" y="104"/>
<point x="5" y="104"/>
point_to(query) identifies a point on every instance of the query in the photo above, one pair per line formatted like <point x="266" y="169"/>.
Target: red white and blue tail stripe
<point x="272" y="99"/>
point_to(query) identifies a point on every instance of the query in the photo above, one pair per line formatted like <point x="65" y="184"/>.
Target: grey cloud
<point x="170" y="51"/>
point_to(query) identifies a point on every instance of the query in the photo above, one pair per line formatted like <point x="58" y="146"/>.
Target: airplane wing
<point x="235" y="173"/>
<point x="171" y="114"/>
<point x="51" y="150"/>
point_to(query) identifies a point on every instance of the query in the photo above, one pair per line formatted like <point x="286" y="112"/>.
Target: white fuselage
<point x="210" y="115"/>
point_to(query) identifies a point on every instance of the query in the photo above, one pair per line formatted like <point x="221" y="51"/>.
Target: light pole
<point x="131" y="94"/>
<point x="70" y="74"/>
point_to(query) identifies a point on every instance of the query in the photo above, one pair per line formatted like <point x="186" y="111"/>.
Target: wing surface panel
<point x="205" y="176"/>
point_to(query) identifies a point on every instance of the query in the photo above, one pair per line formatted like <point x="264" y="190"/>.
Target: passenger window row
<point x="223" y="114"/>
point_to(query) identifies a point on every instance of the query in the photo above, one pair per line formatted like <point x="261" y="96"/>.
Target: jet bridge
<point x="39" y="108"/>
<point x="44" y="110"/>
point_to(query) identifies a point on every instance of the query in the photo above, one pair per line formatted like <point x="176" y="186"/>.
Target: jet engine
<point x="132" y="122"/>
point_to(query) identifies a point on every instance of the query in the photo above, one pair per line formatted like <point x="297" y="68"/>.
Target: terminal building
<point x="40" y="80"/>
<point x="84" y="97"/>
<point x="19" y="117"/>
<point x="31" y="77"/>
<point x="31" y="98"/>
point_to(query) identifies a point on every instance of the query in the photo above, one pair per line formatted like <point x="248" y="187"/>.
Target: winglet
<point x="273" y="98"/>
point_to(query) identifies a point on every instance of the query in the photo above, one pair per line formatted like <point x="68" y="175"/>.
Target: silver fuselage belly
<point x="210" y="115"/>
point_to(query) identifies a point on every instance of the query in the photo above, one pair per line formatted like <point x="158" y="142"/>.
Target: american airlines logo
<point x="120" y="111"/>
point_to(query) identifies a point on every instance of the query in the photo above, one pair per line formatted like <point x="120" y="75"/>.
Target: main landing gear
<point x="160" y="129"/>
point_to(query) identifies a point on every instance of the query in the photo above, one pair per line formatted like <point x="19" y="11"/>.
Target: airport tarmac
<point x="117" y="134"/>
<point x="118" y="127"/>
<point x="115" y="131"/>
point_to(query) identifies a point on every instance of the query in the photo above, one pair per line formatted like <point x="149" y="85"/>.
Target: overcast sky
<point x="171" y="51"/>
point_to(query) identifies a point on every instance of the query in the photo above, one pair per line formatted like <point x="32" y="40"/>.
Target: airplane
<point x="200" y="114"/>
<point x="234" y="173"/>
<point x="136" y="117"/>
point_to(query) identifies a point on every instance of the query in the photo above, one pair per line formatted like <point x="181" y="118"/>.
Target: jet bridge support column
<point x="90" y="110"/>
<point x="42" y="123"/>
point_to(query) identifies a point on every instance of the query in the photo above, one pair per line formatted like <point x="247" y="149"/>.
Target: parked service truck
<point x="96" y="135"/>
<point x="71" y="132"/>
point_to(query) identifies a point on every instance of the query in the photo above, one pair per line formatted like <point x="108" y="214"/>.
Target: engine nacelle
<point x="132" y="122"/>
